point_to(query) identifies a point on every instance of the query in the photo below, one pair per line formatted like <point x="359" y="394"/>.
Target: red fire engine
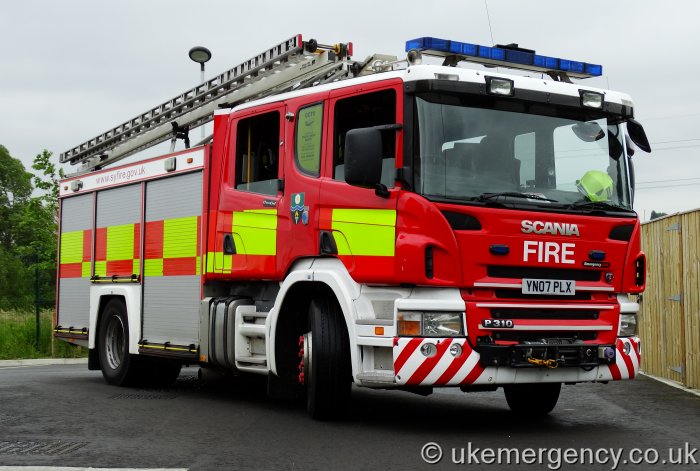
<point x="385" y="223"/>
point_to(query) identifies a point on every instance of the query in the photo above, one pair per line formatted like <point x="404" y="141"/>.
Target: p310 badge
<point x="497" y="324"/>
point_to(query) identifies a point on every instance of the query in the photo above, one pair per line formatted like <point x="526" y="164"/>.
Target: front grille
<point x="499" y="271"/>
<point x="514" y="294"/>
<point x="566" y="314"/>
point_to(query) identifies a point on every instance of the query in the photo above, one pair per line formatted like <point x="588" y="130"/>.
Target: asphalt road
<point x="67" y="416"/>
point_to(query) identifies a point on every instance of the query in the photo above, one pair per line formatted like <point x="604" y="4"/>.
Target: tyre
<point x="118" y="366"/>
<point x="532" y="399"/>
<point x="327" y="370"/>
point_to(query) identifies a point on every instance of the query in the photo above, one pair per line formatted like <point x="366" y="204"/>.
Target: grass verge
<point x="18" y="337"/>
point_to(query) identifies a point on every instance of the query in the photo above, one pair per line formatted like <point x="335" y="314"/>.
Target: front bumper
<point x="448" y="365"/>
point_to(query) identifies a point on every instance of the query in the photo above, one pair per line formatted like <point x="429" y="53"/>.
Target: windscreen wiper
<point x="513" y="194"/>
<point x="597" y="205"/>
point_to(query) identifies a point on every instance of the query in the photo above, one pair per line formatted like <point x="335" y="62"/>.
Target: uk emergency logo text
<point x="558" y="458"/>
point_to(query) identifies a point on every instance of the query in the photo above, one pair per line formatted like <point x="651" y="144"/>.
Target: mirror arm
<point x="381" y="190"/>
<point x="389" y="127"/>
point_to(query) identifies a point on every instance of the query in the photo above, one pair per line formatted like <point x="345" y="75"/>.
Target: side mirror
<point x="363" y="157"/>
<point x="637" y="134"/>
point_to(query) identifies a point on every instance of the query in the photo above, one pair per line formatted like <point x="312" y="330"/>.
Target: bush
<point x="18" y="337"/>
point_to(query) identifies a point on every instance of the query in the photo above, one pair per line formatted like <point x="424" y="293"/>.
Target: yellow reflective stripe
<point x="120" y="242"/>
<point x="255" y="232"/>
<point x="261" y="218"/>
<point x="379" y="217"/>
<point x="210" y="262"/>
<point x="198" y="266"/>
<point x="71" y="247"/>
<point x="341" y="243"/>
<point x="136" y="266"/>
<point x="180" y="237"/>
<point x="101" y="268"/>
<point x="86" y="269"/>
<point x="153" y="267"/>
<point x="368" y="232"/>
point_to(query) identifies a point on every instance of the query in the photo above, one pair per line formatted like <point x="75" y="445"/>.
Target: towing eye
<point x="551" y="363"/>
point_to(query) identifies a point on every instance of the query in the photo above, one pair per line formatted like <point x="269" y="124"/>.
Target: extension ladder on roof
<point x="290" y="65"/>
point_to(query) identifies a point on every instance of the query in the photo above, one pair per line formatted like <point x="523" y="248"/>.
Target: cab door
<point x="247" y="219"/>
<point x="299" y="207"/>
<point x="360" y="222"/>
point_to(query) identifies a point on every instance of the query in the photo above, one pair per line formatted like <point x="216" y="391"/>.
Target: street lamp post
<point x="201" y="55"/>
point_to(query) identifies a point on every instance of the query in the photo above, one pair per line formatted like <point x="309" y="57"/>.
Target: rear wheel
<point x="532" y="399"/>
<point x="118" y="366"/>
<point x="326" y="361"/>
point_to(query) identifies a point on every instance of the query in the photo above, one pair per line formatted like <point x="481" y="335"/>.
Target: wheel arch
<point x="131" y="296"/>
<point x="289" y="317"/>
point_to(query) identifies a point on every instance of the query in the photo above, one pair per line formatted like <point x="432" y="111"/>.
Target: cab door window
<point x="364" y="111"/>
<point x="307" y="151"/>
<point x="257" y="153"/>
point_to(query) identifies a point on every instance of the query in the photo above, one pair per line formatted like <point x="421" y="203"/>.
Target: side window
<point x="307" y="150"/>
<point x="364" y="111"/>
<point x="257" y="153"/>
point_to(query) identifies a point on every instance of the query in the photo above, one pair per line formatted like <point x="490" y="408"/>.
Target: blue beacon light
<point x="504" y="56"/>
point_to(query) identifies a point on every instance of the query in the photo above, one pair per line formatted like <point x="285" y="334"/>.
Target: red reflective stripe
<point x="455" y="366"/>
<point x="406" y="354"/>
<point x="326" y="219"/>
<point x="626" y="359"/>
<point x="179" y="266"/>
<point x="428" y="365"/>
<point x="137" y="241"/>
<point x="120" y="267"/>
<point x="615" y="372"/>
<point x="71" y="270"/>
<point x="87" y="245"/>
<point x="473" y="374"/>
<point x="153" y="246"/>
<point x="228" y="223"/>
<point x="614" y="369"/>
<point x="101" y="244"/>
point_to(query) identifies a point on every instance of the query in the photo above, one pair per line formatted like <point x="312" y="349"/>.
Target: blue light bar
<point x="503" y="56"/>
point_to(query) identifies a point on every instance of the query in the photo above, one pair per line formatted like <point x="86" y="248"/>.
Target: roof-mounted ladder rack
<point x="290" y="65"/>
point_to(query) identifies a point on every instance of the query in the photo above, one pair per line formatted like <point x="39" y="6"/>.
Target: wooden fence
<point x="669" y="320"/>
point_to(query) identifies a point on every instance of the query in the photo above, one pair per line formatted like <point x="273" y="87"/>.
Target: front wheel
<point x="532" y="399"/>
<point x="327" y="371"/>
<point x="118" y="366"/>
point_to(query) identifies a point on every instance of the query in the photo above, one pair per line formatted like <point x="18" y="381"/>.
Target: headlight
<point x="628" y="325"/>
<point x="430" y="324"/>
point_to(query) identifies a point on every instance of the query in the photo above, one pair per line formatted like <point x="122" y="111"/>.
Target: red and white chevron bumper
<point x="443" y="368"/>
<point x="452" y="362"/>
<point x="627" y="359"/>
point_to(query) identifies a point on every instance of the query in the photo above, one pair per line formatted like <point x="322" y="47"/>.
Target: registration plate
<point x="550" y="287"/>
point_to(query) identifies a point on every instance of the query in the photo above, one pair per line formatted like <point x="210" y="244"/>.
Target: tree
<point x="15" y="191"/>
<point x="28" y="231"/>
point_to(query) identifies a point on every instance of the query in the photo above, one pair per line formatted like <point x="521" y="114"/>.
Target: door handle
<point x="229" y="245"/>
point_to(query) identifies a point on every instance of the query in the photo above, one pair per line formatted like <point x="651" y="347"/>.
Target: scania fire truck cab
<point x="431" y="226"/>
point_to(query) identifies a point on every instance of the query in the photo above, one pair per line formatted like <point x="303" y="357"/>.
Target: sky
<point x="72" y="69"/>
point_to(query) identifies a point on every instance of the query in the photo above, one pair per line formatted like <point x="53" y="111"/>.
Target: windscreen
<point x="472" y="148"/>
